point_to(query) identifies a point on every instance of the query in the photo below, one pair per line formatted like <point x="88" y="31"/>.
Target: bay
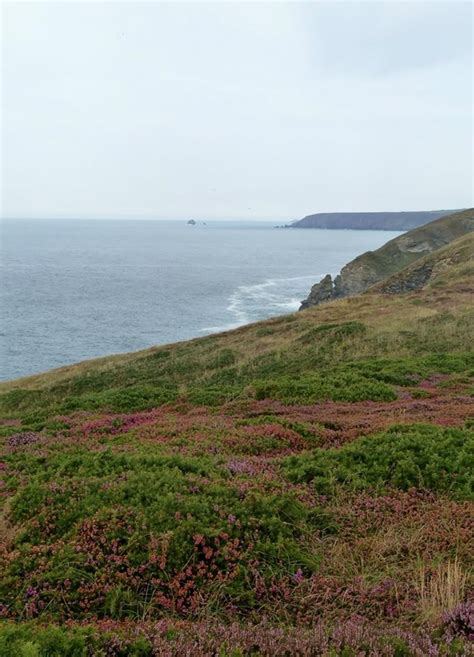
<point x="77" y="289"/>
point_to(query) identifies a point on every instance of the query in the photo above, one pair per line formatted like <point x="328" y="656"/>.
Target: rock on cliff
<point x="323" y="291"/>
<point x="374" y="266"/>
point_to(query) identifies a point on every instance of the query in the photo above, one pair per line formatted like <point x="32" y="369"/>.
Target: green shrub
<point x="408" y="370"/>
<point x="333" y="332"/>
<point x="227" y="376"/>
<point x="212" y="395"/>
<point x="263" y="331"/>
<point x="224" y="358"/>
<point x="122" y="400"/>
<point x="345" y="387"/>
<point x="420" y="456"/>
<point x="17" y="400"/>
<point x="30" y="640"/>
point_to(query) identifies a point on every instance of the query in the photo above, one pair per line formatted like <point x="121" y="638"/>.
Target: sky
<point x="238" y="110"/>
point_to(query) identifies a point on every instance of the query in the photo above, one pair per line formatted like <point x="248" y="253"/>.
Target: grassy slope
<point x="305" y="469"/>
<point x="398" y="253"/>
<point x="448" y="257"/>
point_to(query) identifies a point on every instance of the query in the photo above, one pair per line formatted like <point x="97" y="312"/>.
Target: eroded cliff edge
<point x="374" y="266"/>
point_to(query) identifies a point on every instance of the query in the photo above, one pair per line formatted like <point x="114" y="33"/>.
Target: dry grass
<point x="440" y="589"/>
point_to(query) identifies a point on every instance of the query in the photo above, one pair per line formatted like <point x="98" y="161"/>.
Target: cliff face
<point x="455" y="258"/>
<point x="370" y="220"/>
<point x="375" y="266"/>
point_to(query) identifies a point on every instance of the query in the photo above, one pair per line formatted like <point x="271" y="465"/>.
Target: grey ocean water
<point x="72" y="290"/>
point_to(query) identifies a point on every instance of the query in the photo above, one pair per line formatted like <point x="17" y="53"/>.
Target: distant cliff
<point x="375" y="266"/>
<point x="370" y="220"/>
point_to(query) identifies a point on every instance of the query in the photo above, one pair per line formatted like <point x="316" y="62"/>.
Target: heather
<point x="300" y="486"/>
<point x="350" y="639"/>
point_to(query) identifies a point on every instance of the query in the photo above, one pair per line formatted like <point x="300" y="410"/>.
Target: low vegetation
<point x="296" y="487"/>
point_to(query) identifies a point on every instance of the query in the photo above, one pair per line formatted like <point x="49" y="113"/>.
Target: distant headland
<point x="369" y="220"/>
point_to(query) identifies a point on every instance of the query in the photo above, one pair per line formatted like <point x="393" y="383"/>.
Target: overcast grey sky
<point x="235" y="110"/>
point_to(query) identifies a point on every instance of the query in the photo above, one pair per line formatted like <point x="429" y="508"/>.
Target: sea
<point x="76" y="289"/>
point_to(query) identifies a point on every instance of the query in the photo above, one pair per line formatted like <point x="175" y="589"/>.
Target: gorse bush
<point x="28" y="640"/>
<point x="348" y="387"/>
<point x="19" y="400"/>
<point x="419" y="456"/>
<point x="122" y="400"/>
<point x="407" y="371"/>
<point x="212" y="395"/>
<point x="224" y="358"/>
<point x="332" y="332"/>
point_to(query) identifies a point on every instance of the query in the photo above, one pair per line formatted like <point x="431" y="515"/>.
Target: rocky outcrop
<point x="372" y="267"/>
<point x="418" y="277"/>
<point x="323" y="291"/>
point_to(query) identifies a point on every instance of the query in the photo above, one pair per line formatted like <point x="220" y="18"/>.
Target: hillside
<point x="374" y="266"/>
<point x="299" y="486"/>
<point x="370" y="220"/>
<point x="430" y="268"/>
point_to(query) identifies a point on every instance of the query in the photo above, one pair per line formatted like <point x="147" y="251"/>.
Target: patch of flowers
<point x="23" y="438"/>
<point x="459" y="622"/>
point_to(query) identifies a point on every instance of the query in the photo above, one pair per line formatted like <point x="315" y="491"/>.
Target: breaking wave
<point x="275" y="296"/>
